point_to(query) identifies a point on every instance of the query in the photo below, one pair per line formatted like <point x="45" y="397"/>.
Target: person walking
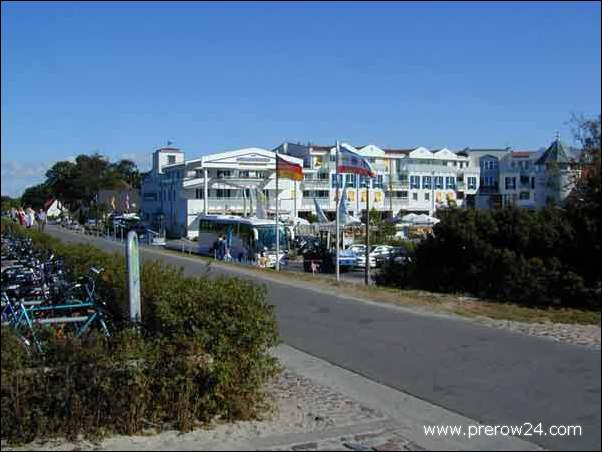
<point x="31" y="217"/>
<point x="41" y="220"/>
<point x="21" y="216"/>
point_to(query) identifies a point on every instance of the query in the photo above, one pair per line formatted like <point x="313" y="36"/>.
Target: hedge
<point x="202" y="354"/>
<point x="510" y="254"/>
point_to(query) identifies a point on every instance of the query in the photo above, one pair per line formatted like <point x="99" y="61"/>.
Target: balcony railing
<point x="323" y="202"/>
<point x="315" y="183"/>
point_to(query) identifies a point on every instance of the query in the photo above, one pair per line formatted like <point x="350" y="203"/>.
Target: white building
<point x="412" y="180"/>
<point x="176" y="191"/>
<point x="529" y="179"/>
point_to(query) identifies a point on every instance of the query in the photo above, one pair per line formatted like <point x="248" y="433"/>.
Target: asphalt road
<point x="491" y="375"/>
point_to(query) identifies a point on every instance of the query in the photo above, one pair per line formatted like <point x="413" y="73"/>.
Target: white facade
<point x="174" y="195"/>
<point x="519" y="179"/>
<point x="412" y="180"/>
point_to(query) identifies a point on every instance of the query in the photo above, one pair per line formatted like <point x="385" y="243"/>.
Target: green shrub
<point x="510" y="254"/>
<point x="203" y="352"/>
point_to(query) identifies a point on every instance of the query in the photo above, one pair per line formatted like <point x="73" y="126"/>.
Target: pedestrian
<point x="41" y="220"/>
<point x="31" y="217"/>
<point x="21" y="216"/>
<point x="263" y="261"/>
<point x="13" y="214"/>
<point x="221" y="248"/>
<point x="314" y="267"/>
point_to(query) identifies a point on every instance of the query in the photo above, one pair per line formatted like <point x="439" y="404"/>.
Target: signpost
<point x="133" y="275"/>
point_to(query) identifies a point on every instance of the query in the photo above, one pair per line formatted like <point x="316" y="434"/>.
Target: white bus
<point x="247" y="237"/>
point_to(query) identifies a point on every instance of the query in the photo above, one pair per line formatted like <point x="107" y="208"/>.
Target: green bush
<point x="203" y="353"/>
<point x="510" y="254"/>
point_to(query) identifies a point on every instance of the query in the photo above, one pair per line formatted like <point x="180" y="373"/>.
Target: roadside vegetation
<point x="548" y="258"/>
<point x="200" y="354"/>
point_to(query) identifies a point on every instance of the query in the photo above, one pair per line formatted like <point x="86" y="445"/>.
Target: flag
<point x="322" y="218"/>
<point x="48" y="203"/>
<point x="113" y="202"/>
<point x="260" y="203"/>
<point x="288" y="170"/>
<point x="350" y="162"/>
<point x="343" y="207"/>
<point x="127" y="202"/>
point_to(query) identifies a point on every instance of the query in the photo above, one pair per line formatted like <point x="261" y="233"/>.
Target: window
<point x="243" y="174"/>
<point x="438" y="182"/>
<point x="198" y="193"/>
<point x="221" y="174"/>
<point x="414" y="181"/>
<point x="378" y="181"/>
<point x="364" y="181"/>
<point x="510" y="183"/>
<point x="450" y="182"/>
<point x="336" y="181"/>
<point x="427" y="196"/>
<point x="533" y="182"/>
<point x="403" y="194"/>
<point x="472" y="183"/>
<point x="171" y="159"/>
<point x="524" y="195"/>
<point x="350" y="180"/>
<point x="198" y="173"/>
<point x="426" y="182"/>
<point x="415" y="196"/>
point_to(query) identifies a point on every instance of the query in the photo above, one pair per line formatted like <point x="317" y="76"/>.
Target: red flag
<point x="288" y="170"/>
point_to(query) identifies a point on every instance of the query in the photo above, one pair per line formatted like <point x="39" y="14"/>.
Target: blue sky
<point x="123" y="78"/>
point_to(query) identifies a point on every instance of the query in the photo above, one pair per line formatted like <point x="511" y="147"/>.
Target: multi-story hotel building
<point x="411" y="180"/>
<point x="176" y="191"/>
<point x="418" y="180"/>
<point x="529" y="179"/>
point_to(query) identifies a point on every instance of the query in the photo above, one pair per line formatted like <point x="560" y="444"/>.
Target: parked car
<point x="376" y="256"/>
<point x="358" y="248"/>
<point x="396" y="254"/>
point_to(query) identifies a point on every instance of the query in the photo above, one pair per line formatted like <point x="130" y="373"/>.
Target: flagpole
<point x="337" y="213"/>
<point x="367" y="269"/>
<point x="277" y="228"/>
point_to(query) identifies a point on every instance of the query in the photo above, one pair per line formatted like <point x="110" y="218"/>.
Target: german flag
<point x="288" y="170"/>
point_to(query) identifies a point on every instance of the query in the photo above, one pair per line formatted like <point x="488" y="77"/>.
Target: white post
<point x="205" y="191"/>
<point x="133" y="267"/>
<point x="337" y="213"/>
<point x="277" y="225"/>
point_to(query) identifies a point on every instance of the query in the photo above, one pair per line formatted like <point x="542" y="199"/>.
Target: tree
<point x="77" y="183"/>
<point x="583" y="205"/>
<point x="8" y="203"/>
<point x="36" y="196"/>
<point x="127" y="171"/>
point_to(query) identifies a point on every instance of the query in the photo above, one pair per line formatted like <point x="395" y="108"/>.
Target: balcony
<point x="234" y="203"/>
<point x="309" y="184"/>
<point x="396" y="182"/>
<point x="323" y="202"/>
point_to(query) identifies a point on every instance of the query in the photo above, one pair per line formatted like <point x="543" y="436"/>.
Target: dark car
<point x="397" y="255"/>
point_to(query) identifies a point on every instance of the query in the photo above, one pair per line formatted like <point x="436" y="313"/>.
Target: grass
<point x="426" y="301"/>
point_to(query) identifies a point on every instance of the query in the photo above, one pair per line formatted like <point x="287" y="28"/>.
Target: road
<point x="491" y="375"/>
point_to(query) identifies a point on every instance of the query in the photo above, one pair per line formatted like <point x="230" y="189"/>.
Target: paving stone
<point x="357" y="446"/>
<point x="389" y="446"/>
<point x="305" y="446"/>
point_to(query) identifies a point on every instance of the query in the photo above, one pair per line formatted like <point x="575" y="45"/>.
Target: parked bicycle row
<point x="36" y="289"/>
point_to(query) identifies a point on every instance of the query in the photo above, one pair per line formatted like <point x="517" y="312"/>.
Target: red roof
<point x="521" y="154"/>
